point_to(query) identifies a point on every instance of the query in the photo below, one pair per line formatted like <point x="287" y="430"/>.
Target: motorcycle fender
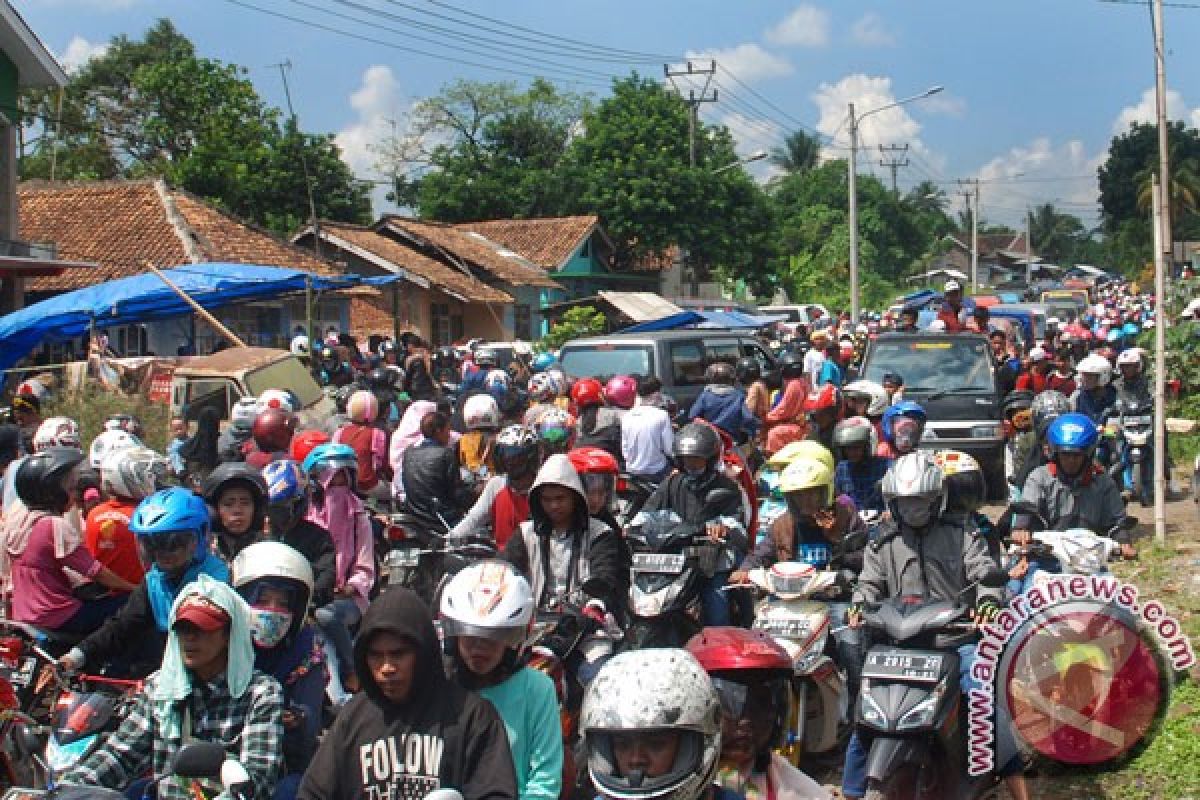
<point x="825" y="690"/>
<point x="889" y="755"/>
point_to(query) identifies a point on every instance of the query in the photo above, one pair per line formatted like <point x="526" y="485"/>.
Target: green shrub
<point x="91" y="407"/>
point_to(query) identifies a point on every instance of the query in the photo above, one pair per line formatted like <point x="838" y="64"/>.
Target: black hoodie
<point x="443" y="737"/>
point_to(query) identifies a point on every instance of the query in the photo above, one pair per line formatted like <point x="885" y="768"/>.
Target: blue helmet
<point x="326" y="459"/>
<point x="543" y="362"/>
<point x="1130" y="329"/>
<point x="1072" y="433"/>
<point x="906" y="408"/>
<point x="285" y="481"/>
<point x="171" y="512"/>
<point x="1113" y="336"/>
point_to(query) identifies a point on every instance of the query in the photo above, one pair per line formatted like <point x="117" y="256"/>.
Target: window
<point x="687" y="363"/>
<point x="522" y="325"/>
<point x="726" y="350"/>
<point x="943" y="364"/>
<point x="586" y="250"/>
<point x="446" y="323"/>
<point x="603" y="361"/>
<point x="752" y="350"/>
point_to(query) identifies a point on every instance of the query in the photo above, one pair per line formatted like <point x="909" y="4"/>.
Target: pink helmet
<point x="620" y="391"/>
<point x="363" y="407"/>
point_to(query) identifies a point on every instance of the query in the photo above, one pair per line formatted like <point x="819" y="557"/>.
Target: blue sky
<point x="1034" y="89"/>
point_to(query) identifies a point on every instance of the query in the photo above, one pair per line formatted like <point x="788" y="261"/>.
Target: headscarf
<point x="408" y="434"/>
<point x="202" y="447"/>
<point x="19" y="521"/>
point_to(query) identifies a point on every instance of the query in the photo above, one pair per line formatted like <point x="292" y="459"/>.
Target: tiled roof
<point x="118" y="225"/>
<point x="485" y="254"/>
<point x="438" y="274"/>
<point x="547" y="242"/>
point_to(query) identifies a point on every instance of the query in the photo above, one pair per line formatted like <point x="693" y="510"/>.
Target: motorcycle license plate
<point x="671" y="563"/>
<point x="784" y="628"/>
<point x="408" y="557"/>
<point x="1135" y="421"/>
<point x="920" y="667"/>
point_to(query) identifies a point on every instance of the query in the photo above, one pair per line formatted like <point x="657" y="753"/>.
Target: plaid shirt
<point x="249" y="727"/>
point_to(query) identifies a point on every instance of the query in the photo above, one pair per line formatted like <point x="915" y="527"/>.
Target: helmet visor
<point x="160" y="544"/>
<point x="756" y="700"/>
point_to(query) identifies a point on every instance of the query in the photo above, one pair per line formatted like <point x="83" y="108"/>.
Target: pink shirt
<point x="41" y="591"/>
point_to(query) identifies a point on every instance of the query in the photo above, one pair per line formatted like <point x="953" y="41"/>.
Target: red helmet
<point x="304" y="442"/>
<point x="726" y="649"/>
<point x="587" y="392"/>
<point x="593" y="461"/>
<point x="620" y="391"/>
<point x="273" y="429"/>
<point x="822" y="397"/>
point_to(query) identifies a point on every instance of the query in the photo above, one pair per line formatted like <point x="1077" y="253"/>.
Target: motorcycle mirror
<point x="994" y="578"/>
<point x="719" y="497"/>
<point x="199" y="760"/>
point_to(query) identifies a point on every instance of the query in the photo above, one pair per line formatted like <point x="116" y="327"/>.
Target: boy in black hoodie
<point x="410" y="730"/>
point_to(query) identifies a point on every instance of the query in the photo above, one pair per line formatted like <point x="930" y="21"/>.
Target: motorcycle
<point x="424" y="562"/>
<point x="1133" y="428"/>
<point x="632" y="493"/>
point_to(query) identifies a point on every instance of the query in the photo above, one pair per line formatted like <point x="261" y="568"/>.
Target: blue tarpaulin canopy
<point x="704" y="319"/>
<point x="141" y="298"/>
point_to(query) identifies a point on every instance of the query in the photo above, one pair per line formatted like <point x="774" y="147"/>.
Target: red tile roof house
<point x="117" y="226"/>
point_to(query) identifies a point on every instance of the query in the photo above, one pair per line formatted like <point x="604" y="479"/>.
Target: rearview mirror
<point x="994" y="578"/>
<point x="719" y="497"/>
<point x="199" y="760"/>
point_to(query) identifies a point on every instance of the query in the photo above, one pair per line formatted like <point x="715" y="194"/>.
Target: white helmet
<point x="490" y="600"/>
<point x="1096" y="364"/>
<point x="132" y="473"/>
<point x="273" y="565"/>
<point x="878" y="395"/>
<point x="276" y="398"/>
<point x="110" y="442"/>
<point x="914" y="489"/>
<point x="1132" y="355"/>
<point x="57" y="432"/>
<point x="481" y="411"/>
<point x="653" y="690"/>
<point x="242" y="415"/>
<point x="299" y="346"/>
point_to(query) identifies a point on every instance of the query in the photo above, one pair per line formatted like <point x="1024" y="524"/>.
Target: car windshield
<point x="943" y="364"/>
<point x="606" y="360"/>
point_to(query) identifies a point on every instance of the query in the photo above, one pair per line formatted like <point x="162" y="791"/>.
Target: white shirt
<point x="814" y="359"/>
<point x="646" y="440"/>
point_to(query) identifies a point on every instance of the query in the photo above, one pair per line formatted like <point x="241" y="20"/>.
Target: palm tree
<point x="927" y="198"/>
<point x="1057" y="234"/>
<point x="1184" y="192"/>
<point x="799" y="153"/>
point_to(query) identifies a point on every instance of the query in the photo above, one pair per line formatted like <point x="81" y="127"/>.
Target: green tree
<point x="799" y="152"/>
<point x="1059" y="236"/>
<point x="573" y="324"/>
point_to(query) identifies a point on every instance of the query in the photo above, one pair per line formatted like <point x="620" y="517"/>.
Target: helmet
<point x="325" y="461"/>
<point x="273" y="566"/>
<point x="108" y="442"/>
<point x="855" y="431"/>
<point x="697" y="439"/>
<point x="496" y="381"/>
<point x="791" y="365"/>
<point x="871" y="390"/>
<point x="133" y="473"/>
<point x="287" y="494"/>
<point x="719" y="372"/>
<point x="544" y="361"/>
<point x="444" y="357"/>
<point x="381" y="379"/>
<point x="906" y="408"/>
<point x="57" y="432"/>
<point x="41" y="477"/>
<point x="490" y="600"/>
<point x="299" y="346"/>
<point x="168" y="518"/>
<point x="1132" y="355"/>
<point x="587" y="392"/>
<point x="748" y="370"/>
<point x="541" y="388"/>
<point x="242" y="415"/>
<point x="966" y="488"/>
<point x="1097" y="365"/>
<point x="794" y="451"/>
<point x="237" y="473"/>
<point x="823" y="398"/>
<point x="480" y="412"/>
<point x="273" y="429"/>
<point x="807" y="474"/>
<point x="1130" y="329"/>
<point x="653" y="690"/>
<point x="738" y="658"/>
<point x="363" y="407"/>
<point x="557" y="429"/>
<point x="485" y="357"/>
<point x="517" y="451"/>
<point x="123" y="422"/>
<point x="620" y="391"/>
<point x="304" y="442"/>
<point x="597" y="469"/>
<point x="914" y="490"/>
<point x="1072" y="433"/>
<point x="1047" y="406"/>
<point x="558" y="379"/>
<point x="1017" y="400"/>
<point x="276" y="398"/>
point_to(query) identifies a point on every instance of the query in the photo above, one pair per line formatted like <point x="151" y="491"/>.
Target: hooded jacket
<point x="442" y="736"/>
<point x="592" y="551"/>
<point x="725" y="407"/>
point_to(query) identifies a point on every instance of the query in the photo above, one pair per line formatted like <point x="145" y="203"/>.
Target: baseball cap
<point x="952" y="286"/>
<point x="201" y="612"/>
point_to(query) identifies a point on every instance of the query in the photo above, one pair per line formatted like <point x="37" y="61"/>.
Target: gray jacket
<point x="938" y="565"/>
<point x="1094" y="504"/>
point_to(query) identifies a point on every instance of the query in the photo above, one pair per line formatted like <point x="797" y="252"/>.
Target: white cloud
<point x="376" y="102"/>
<point x="1041" y="172"/>
<point x="750" y="135"/>
<point x="867" y="92"/>
<point x="944" y="103"/>
<point x="79" y="51"/>
<point x="870" y="31"/>
<point x="1145" y="110"/>
<point x="807" y="26"/>
<point x="748" y="61"/>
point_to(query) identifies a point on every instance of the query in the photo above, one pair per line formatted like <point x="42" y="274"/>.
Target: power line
<point x="772" y="105"/>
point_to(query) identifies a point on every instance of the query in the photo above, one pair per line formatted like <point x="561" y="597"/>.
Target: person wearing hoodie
<point x="208" y="690"/>
<point x="561" y="549"/>
<point x="411" y="730"/>
<point x="723" y="404"/>
<point x="231" y="444"/>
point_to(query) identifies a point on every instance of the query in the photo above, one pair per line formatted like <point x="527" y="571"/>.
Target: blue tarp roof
<point x="703" y="319"/>
<point x="141" y="298"/>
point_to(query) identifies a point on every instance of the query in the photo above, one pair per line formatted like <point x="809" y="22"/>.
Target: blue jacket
<point x="862" y="481"/>
<point x="1096" y="410"/>
<point x="725" y="407"/>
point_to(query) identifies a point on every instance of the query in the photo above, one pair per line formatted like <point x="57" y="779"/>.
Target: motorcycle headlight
<point x="1087" y="562"/>
<point x="921" y="715"/>
<point x="869" y="711"/>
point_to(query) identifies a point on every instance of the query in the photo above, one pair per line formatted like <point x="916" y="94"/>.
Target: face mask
<point x="914" y="511"/>
<point x="696" y="478"/>
<point x="269" y="626"/>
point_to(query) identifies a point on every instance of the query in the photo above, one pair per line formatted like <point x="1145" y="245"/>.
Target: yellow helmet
<point x="807" y="473"/>
<point x="791" y="453"/>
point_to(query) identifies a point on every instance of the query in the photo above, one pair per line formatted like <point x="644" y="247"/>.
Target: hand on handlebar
<point x="739" y="577"/>
<point x="1128" y="550"/>
<point x="854" y="615"/>
<point x="717" y="531"/>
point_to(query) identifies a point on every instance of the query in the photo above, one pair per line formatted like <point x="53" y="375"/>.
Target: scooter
<point x="632" y="494"/>
<point x="1133" y="470"/>
<point x="671" y="562"/>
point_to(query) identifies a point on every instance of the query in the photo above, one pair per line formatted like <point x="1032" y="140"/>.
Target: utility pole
<point x="894" y="163"/>
<point x="853" y="181"/>
<point x="1028" y="247"/>
<point x="1162" y="264"/>
<point x="693" y="102"/>
<point x="973" y="207"/>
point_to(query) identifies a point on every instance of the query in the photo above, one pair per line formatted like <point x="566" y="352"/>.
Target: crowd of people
<point x="238" y="571"/>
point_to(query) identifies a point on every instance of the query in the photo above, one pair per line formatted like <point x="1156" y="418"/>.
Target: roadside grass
<point x="91" y="407"/>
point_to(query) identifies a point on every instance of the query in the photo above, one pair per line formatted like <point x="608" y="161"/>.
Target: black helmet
<point x="748" y="370"/>
<point x="698" y="439"/>
<point x="719" y="372"/>
<point x="381" y="379"/>
<point x="236" y="473"/>
<point x="1017" y="400"/>
<point x="39" y="479"/>
<point x="791" y="365"/>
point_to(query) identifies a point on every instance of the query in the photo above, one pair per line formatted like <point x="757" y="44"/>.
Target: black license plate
<point x="920" y="667"/>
